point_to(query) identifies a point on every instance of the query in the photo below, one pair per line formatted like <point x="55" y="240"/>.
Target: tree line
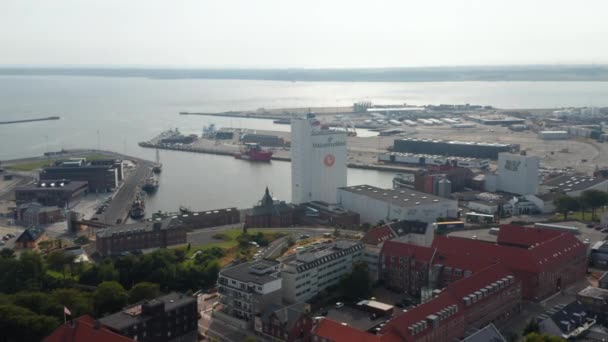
<point x="35" y="288"/>
<point x="589" y="199"/>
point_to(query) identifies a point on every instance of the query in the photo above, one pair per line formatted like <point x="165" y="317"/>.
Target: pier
<point x="29" y="120"/>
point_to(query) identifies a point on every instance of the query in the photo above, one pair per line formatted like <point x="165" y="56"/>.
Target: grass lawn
<point x="38" y="164"/>
<point x="578" y="215"/>
<point x="229" y="243"/>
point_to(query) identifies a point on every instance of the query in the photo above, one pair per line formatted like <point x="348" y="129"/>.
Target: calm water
<point x="116" y="113"/>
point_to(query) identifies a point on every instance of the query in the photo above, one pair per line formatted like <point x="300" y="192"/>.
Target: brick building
<point x="490" y="295"/>
<point x="84" y="329"/>
<point x="203" y="219"/>
<point x="270" y="214"/>
<point x="33" y="214"/>
<point x="30" y="238"/>
<point x="137" y="236"/>
<point x="285" y="323"/>
<point x="171" y="318"/>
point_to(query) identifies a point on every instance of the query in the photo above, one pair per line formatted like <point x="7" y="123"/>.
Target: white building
<point x="317" y="267"/>
<point x="375" y="204"/>
<point x="553" y="135"/>
<point x="518" y="174"/>
<point x="318" y="161"/>
<point x="246" y="289"/>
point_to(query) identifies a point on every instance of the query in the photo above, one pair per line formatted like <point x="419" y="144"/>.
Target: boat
<point x="158" y="167"/>
<point x="150" y="185"/>
<point x="254" y="152"/>
<point x="138" y="208"/>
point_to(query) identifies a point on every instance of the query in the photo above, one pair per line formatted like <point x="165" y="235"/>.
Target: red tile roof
<point x="452" y="295"/>
<point x="396" y="248"/>
<point x="524" y="236"/>
<point x="338" y="332"/>
<point x="377" y="235"/>
<point x="83" y="330"/>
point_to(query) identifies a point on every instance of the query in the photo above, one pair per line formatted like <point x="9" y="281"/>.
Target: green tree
<point x="531" y="327"/>
<point x="82" y="240"/>
<point x="38" y="302"/>
<point x="109" y="297"/>
<point x="30" y="271"/>
<point x="143" y="290"/>
<point x="357" y="283"/>
<point x="79" y="302"/>
<point x="536" y="337"/>
<point x="594" y="199"/>
<point x="59" y="260"/>
<point x="21" y="324"/>
<point x="565" y="204"/>
<point x="7" y="253"/>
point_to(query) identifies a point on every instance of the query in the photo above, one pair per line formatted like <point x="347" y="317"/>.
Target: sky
<point x="302" y="34"/>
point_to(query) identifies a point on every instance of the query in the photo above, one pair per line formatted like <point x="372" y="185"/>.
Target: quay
<point x="29" y="120"/>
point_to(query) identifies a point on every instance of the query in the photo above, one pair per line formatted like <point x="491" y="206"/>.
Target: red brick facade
<point x="118" y="243"/>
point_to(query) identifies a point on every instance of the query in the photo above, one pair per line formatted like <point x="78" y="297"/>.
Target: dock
<point x="29" y="120"/>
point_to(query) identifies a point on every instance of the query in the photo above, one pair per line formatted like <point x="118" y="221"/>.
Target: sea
<point x="115" y="113"/>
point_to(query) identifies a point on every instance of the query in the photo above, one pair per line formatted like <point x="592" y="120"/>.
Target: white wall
<point x="318" y="165"/>
<point x="518" y="174"/>
<point x="372" y="210"/>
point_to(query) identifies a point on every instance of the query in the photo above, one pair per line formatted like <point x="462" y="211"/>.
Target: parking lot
<point x="9" y="242"/>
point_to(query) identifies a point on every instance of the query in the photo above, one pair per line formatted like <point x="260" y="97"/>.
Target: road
<point x="121" y="203"/>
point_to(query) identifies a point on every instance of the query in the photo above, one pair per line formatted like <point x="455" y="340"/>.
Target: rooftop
<point x="140" y="227"/>
<point x="573" y="183"/>
<point x="595" y="293"/>
<point x="30" y="234"/>
<point x="399" y="197"/>
<point x="489" y="333"/>
<point x="84" y="329"/>
<point x="455" y="142"/>
<point x="524" y="236"/>
<point x="247" y="272"/>
<point x="53" y="185"/>
<point x="133" y="314"/>
<point x="321" y="253"/>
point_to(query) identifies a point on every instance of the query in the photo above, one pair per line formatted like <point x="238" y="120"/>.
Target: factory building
<point x="100" y="178"/>
<point x="317" y="267"/>
<point x="114" y="163"/>
<point x="262" y="139"/>
<point x="518" y="174"/>
<point x="452" y="148"/>
<point x="433" y="160"/>
<point x="375" y="204"/>
<point x="203" y="219"/>
<point x="247" y="289"/>
<point x="51" y="192"/>
<point x="138" y="236"/>
<point x="318" y="161"/>
<point x="269" y="213"/>
<point x="553" y="135"/>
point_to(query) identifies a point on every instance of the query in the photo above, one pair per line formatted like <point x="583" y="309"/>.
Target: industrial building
<point x="573" y="185"/>
<point x="138" y="236"/>
<point x="318" y="161"/>
<point x="203" y="219"/>
<point x="263" y="139"/>
<point x="553" y="135"/>
<point x="58" y="193"/>
<point x="517" y="174"/>
<point x="317" y="267"/>
<point x="100" y="178"/>
<point x="433" y="160"/>
<point x="375" y="204"/>
<point x="452" y="148"/>
<point x="114" y="163"/>
<point x="247" y="289"/>
<point x="33" y="214"/>
<point x="172" y="318"/>
<point x="495" y="120"/>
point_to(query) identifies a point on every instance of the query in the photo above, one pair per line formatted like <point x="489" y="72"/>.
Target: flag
<point x="67" y="311"/>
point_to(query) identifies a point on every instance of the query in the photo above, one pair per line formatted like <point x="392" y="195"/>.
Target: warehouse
<point x="375" y="204"/>
<point x="553" y="135"/>
<point x="452" y="148"/>
<point x="51" y="192"/>
<point x="263" y="139"/>
<point x="433" y="160"/>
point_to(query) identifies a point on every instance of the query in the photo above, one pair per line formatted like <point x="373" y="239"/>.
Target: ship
<point x="150" y="185"/>
<point x="138" y="208"/>
<point x="158" y="167"/>
<point x="254" y="152"/>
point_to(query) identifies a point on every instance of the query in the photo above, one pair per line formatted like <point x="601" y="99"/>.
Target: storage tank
<point x="444" y="188"/>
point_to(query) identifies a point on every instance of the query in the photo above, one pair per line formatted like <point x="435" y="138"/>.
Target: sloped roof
<point x="377" y="235"/>
<point x="83" y="330"/>
<point x="337" y="332"/>
<point x="524" y="236"/>
<point x="30" y="235"/>
<point x="396" y="248"/>
<point x="568" y="317"/>
<point x="487" y="334"/>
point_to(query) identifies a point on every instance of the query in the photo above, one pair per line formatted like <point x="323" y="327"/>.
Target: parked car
<point x="339" y="305"/>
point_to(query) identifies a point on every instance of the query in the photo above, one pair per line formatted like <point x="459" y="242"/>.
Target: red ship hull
<point x="262" y="156"/>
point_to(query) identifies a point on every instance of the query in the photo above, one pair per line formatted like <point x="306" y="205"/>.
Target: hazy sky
<point x="308" y="33"/>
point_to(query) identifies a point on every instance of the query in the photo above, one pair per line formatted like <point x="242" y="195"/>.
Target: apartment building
<point x="313" y="269"/>
<point x="248" y="288"/>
